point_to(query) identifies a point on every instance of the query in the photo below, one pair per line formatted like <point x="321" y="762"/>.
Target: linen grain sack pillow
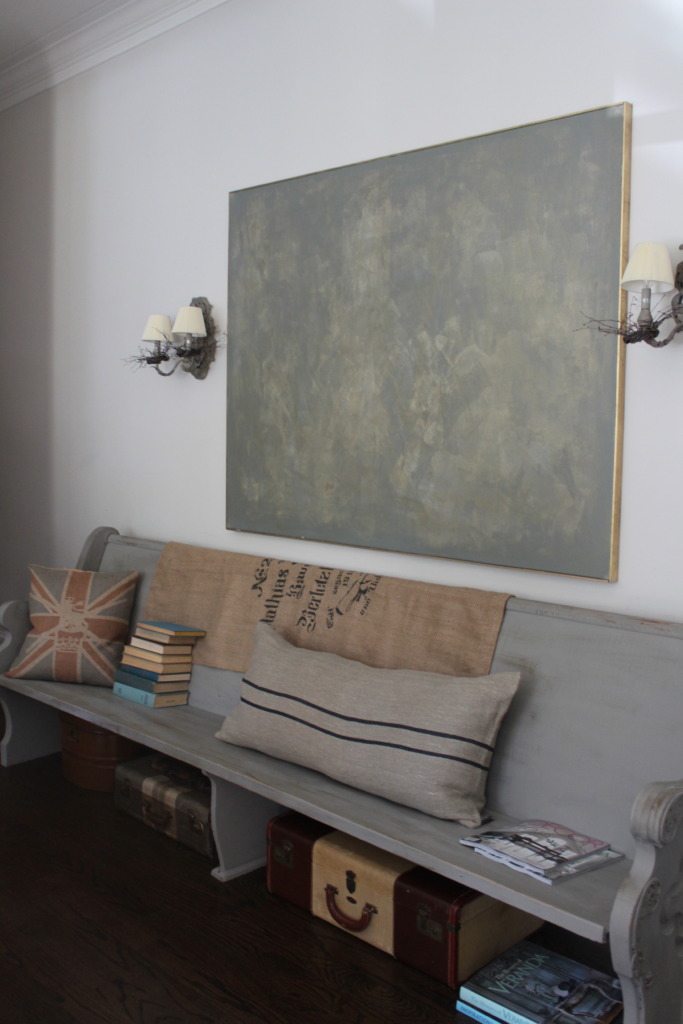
<point x="79" y="623"/>
<point x="418" y="738"/>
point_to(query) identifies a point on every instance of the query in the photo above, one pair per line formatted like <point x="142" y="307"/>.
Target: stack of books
<point x="545" y="850"/>
<point x="157" y="664"/>
<point x="529" y="984"/>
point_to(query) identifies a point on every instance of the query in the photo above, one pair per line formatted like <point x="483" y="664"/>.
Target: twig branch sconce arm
<point x="649" y="270"/>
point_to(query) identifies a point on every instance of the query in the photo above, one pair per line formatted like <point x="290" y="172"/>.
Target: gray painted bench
<point x="596" y="725"/>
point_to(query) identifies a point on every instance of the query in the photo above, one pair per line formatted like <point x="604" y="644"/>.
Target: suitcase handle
<point x="160" y="819"/>
<point x="352" y="924"/>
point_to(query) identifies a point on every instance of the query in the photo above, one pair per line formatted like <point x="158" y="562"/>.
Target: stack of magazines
<point x="543" y="849"/>
<point x="532" y="985"/>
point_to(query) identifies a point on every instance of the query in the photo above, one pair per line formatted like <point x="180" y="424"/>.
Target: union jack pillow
<point x="80" y="621"/>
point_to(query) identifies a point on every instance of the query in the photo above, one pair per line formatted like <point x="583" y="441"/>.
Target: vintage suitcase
<point x="290" y="838"/>
<point x="170" y="796"/>
<point x="90" y="753"/>
<point x="449" y="931"/>
<point x="435" y="925"/>
<point x="353" y="887"/>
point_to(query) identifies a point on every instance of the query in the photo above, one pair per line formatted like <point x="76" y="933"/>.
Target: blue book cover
<point x="150" y="685"/>
<point x="145" y="673"/>
<point x="172" y="628"/>
<point x="475" y="1014"/>
<point x="531" y="985"/>
<point x="149" y="700"/>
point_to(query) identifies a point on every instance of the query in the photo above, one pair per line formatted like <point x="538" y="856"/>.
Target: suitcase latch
<point x="427" y="926"/>
<point x="196" y="824"/>
<point x="283" y="852"/>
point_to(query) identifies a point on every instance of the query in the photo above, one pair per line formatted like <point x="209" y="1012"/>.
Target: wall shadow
<point x="26" y="377"/>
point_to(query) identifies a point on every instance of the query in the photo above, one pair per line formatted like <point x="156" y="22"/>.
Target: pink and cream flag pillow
<point x="79" y="623"/>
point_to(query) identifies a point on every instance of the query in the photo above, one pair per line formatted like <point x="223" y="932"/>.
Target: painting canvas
<point x="406" y="364"/>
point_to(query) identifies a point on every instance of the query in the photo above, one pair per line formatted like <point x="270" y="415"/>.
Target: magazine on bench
<point x="544" y="849"/>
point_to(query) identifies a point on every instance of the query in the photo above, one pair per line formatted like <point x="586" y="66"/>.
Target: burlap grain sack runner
<point x="378" y="620"/>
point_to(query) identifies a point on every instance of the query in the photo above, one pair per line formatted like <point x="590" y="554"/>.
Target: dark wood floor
<point x="103" y="921"/>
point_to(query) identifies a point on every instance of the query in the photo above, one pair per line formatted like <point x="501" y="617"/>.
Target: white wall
<point x="114" y="202"/>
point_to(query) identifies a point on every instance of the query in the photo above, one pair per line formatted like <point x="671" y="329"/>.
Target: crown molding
<point x="90" y="40"/>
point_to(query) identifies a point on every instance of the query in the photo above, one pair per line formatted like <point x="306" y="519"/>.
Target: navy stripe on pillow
<point x="366" y="742"/>
<point x="363" y="721"/>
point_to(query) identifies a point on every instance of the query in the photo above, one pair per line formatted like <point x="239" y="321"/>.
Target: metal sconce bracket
<point x="676" y="312"/>
<point x="197" y="359"/>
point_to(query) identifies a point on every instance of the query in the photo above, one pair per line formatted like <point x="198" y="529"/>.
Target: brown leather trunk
<point x="90" y="753"/>
<point x="449" y="931"/>
<point x="290" y="840"/>
<point x="444" y="929"/>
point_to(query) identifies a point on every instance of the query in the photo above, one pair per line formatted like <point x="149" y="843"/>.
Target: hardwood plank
<point x="104" y="921"/>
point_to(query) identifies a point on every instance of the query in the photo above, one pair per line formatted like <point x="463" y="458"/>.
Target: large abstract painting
<point x="407" y="368"/>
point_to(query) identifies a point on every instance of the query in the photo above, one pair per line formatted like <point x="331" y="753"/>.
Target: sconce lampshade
<point x="158" y="328"/>
<point x="649" y="267"/>
<point x="190" y="320"/>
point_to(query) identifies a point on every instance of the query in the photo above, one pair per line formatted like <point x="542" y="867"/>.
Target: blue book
<point x="471" y="1011"/>
<point x="148" y="673"/>
<point x="170" y="629"/>
<point x="149" y="700"/>
<point x="529" y="984"/>
<point x="128" y="678"/>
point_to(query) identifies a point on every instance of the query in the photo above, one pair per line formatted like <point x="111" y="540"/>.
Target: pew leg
<point x="239" y="819"/>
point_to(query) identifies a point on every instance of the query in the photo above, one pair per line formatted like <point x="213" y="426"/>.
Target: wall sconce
<point x="189" y="343"/>
<point x="649" y="270"/>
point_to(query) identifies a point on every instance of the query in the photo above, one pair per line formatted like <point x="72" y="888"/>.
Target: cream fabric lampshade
<point x="649" y="267"/>
<point x="157" y="328"/>
<point x="190" y="320"/>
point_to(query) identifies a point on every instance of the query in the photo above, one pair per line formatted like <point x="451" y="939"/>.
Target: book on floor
<point x="534" y="844"/>
<point x="149" y="700"/>
<point x="529" y="984"/>
<point x="169" y="629"/>
<point x="150" y="685"/>
<point x="476" y="1014"/>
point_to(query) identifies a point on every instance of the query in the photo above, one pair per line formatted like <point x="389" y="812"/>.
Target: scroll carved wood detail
<point x="647" y="920"/>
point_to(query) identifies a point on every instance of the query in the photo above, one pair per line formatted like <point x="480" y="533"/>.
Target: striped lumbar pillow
<point x="418" y="738"/>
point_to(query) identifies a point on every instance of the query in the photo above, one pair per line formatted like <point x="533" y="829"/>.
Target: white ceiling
<point x="43" y="42"/>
